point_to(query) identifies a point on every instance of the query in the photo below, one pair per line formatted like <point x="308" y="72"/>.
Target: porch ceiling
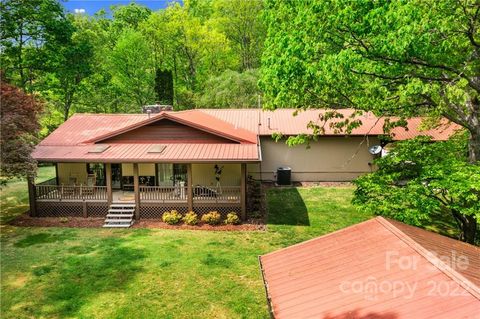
<point x="124" y="153"/>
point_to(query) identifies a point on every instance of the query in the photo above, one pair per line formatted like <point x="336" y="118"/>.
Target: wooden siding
<point x="166" y="131"/>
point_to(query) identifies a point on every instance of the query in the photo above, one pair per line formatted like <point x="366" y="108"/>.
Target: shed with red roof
<point x="376" y="269"/>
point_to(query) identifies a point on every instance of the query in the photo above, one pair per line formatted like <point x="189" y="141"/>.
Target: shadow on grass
<point x="80" y="278"/>
<point x="44" y="238"/>
<point x="286" y="207"/>
<point x="211" y="260"/>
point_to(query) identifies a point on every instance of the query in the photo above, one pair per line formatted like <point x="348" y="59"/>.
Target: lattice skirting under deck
<point x="71" y="209"/>
<point x="147" y="210"/>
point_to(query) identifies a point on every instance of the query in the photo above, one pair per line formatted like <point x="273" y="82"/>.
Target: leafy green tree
<point x="132" y="69"/>
<point x="164" y="86"/>
<point x="19" y="117"/>
<point x="97" y="93"/>
<point x="242" y="24"/>
<point x="69" y="65"/>
<point x="405" y="58"/>
<point x="231" y="89"/>
<point x="189" y="47"/>
<point x="129" y="16"/>
<point x="30" y="28"/>
<point x="419" y="180"/>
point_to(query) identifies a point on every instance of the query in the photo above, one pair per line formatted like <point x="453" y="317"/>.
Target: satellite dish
<point x="375" y="149"/>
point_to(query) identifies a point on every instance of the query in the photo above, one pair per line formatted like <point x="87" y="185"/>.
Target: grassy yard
<point x="14" y="197"/>
<point x="147" y="273"/>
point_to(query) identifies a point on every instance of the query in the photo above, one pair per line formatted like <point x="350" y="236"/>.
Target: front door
<point x="116" y="176"/>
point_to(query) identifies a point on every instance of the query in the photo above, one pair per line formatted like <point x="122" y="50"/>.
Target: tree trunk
<point x="474" y="146"/>
<point x="164" y="86"/>
<point x="468" y="226"/>
<point x="470" y="229"/>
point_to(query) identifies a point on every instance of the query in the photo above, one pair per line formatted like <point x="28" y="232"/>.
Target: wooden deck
<point x="50" y="199"/>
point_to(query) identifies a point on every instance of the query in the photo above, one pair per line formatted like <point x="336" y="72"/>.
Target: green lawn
<point x="146" y="273"/>
<point x="14" y="196"/>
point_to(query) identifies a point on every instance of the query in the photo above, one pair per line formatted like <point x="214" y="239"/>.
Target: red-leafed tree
<point x="19" y="127"/>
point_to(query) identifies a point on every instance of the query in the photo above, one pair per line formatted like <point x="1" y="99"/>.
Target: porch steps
<point x="120" y="215"/>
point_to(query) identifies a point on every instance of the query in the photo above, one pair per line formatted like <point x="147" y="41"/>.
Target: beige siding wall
<point x="72" y="170"/>
<point x="329" y="159"/>
<point x="144" y="169"/>
<point x="204" y="174"/>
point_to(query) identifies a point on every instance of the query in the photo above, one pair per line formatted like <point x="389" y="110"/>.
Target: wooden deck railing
<point x="61" y="192"/>
<point x="223" y="194"/>
<point x="163" y="193"/>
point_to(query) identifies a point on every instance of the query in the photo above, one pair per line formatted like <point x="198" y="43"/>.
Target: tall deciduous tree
<point x="131" y="67"/>
<point x="231" y="89"/>
<point x="404" y="58"/>
<point x="29" y="29"/>
<point x="392" y="57"/>
<point x="418" y="181"/>
<point x="185" y="44"/>
<point x="19" y="117"/>
<point x="69" y="65"/>
<point x="242" y="23"/>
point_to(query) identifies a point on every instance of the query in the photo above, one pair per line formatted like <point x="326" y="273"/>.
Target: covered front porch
<point x="88" y="189"/>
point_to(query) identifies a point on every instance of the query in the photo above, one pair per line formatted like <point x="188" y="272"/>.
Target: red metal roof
<point x="192" y="118"/>
<point x="125" y="153"/>
<point x="240" y="125"/>
<point x="371" y="270"/>
<point x="81" y="128"/>
<point x="283" y="121"/>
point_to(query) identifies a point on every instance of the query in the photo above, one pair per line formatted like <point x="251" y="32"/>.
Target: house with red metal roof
<point x="142" y="165"/>
<point x="380" y="268"/>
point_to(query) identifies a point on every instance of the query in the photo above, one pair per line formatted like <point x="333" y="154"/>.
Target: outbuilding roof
<point x="376" y="269"/>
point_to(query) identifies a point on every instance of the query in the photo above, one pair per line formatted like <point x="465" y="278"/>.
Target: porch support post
<point x="243" y="191"/>
<point x="136" y="189"/>
<point x="31" y="196"/>
<point x="108" y="172"/>
<point x="189" y="187"/>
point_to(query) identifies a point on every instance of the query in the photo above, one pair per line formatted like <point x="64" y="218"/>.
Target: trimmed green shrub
<point x="190" y="218"/>
<point x="212" y="218"/>
<point x="232" y="219"/>
<point x="173" y="217"/>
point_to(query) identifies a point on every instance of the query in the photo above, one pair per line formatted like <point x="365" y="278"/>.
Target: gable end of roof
<point x="244" y="136"/>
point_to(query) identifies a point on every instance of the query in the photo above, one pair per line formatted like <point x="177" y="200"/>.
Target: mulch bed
<point x="151" y="223"/>
<point x="77" y="222"/>
<point x="95" y="222"/>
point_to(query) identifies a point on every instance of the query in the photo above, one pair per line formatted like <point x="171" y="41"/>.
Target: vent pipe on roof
<point x="268" y="123"/>
<point x="149" y="112"/>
